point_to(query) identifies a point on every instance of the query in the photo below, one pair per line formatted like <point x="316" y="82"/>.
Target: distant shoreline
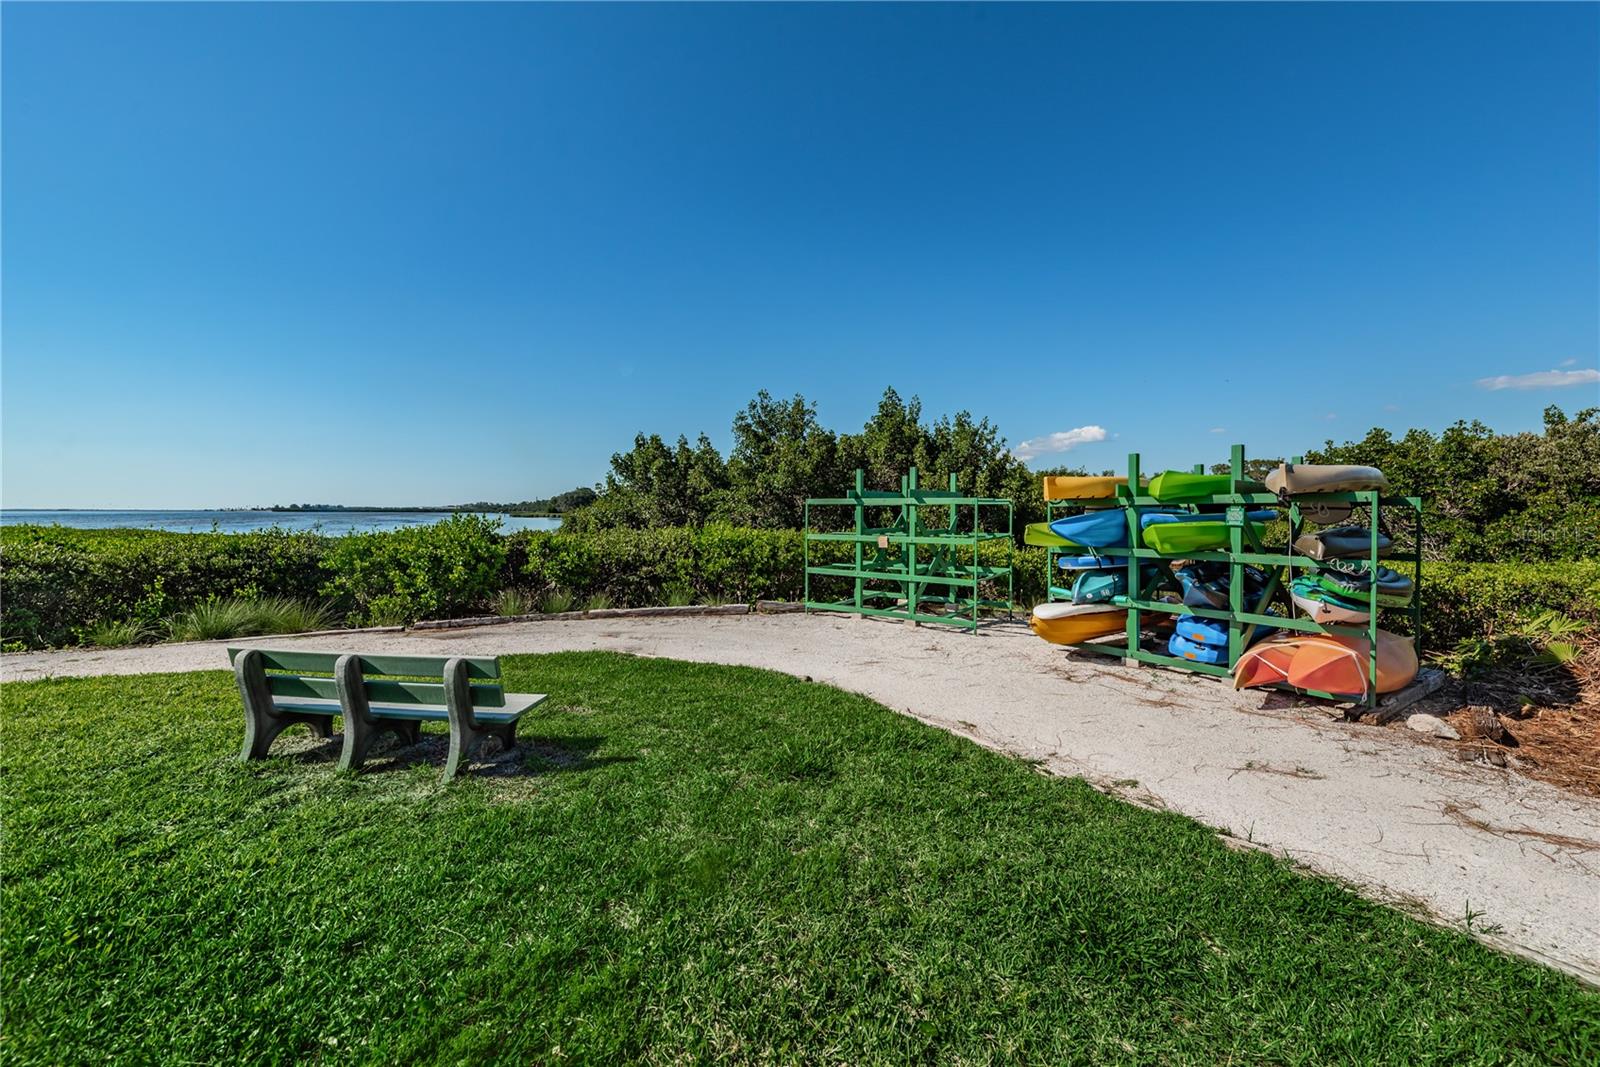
<point x="332" y="509"/>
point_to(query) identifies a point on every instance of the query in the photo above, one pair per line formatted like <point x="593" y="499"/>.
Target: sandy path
<point x="1404" y="821"/>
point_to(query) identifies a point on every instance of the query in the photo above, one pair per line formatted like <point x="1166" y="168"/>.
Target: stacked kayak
<point x="1078" y="487"/>
<point x="1094" y="529"/>
<point x="1071" y="624"/>
<point x="1206" y="640"/>
<point x="1099" y="586"/>
<point x="1342" y="542"/>
<point x="1328" y="663"/>
<point x="1039" y="535"/>
<point x="1185" y="485"/>
<point x="1388" y="588"/>
<point x="1205" y="585"/>
<point x="1090" y="562"/>
<point x="1345" y="592"/>
<point x="1294" y="479"/>
<point x="1323" y="607"/>
<point x="1185" y="532"/>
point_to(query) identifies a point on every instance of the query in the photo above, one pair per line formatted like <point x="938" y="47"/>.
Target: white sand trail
<point x="1402" y="820"/>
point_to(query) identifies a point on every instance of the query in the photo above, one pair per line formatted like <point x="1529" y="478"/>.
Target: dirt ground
<point x="1401" y="817"/>
<point x="1545" y="720"/>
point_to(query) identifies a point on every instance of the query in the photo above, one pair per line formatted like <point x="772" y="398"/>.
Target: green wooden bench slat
<point x="381" y="690"/>
<point x="322" y="663"/>
<point x="427" y="713"/>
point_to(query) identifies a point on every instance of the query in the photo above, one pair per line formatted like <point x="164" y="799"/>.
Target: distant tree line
<point x="1489" y="496"/>
<point x="559" y="504"/>
<point x="782" y="454"/>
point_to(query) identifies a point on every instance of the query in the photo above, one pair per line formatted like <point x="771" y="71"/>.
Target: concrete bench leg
<point x="360" y="728"/>
<point x="361" y="734"/>
<point x="467" y="734"/>
<point x="467" y="741"/>
<point x="262" y="724"/>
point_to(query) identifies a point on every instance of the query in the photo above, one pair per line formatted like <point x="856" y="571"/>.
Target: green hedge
<point x="1462" y="600"/>
<point x="56" y="582"/>
<point x="446" y="569"/>
<point x="635" y="568"/>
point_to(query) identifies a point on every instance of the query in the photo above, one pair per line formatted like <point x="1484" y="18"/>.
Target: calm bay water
<point x="332" y="523"/>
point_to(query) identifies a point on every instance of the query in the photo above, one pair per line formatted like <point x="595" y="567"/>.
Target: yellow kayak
<point x="1081" y="487"/>
<point x="1070" y="624"/>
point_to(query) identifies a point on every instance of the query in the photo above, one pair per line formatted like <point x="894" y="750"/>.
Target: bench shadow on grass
<point x="533" y="756"/>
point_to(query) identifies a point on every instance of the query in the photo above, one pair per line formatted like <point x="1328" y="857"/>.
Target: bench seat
<point x="517" y="704"/>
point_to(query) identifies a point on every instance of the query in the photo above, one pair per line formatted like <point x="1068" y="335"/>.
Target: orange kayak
<point x="1327" y="662"/>
<point x="1267" y="662"/>
<point x="1340" y="665"/>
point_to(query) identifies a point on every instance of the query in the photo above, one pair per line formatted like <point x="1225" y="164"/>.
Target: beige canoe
<point x="1296" y="478"/>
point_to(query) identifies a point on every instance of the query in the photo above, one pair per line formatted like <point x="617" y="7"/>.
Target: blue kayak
<point x="1184" y="648"/>
<point x="1090" y="563"/>
<point x="1098" y="529"/>
<point x="1213" y="632"/>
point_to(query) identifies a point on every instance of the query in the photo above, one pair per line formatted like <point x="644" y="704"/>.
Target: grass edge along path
<point x="691" y="861"/>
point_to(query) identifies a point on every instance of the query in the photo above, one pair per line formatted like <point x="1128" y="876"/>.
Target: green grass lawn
<point x="695" y="863"/>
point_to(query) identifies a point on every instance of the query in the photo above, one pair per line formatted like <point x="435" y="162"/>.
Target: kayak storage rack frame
<point x="898" y="558"/>
<point x="1243" y="549"/>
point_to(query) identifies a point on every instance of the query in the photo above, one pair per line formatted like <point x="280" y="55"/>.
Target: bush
<point x="1462" y="600"/>
<point x="59" y="581"/>
<point x="509" y="603"/>
<point x="117" y="634"/>
<point x="637" y="568"/>
<point x="214" y="621"/>
<point x="237" y="617"/>
<point x="418" y="572"/>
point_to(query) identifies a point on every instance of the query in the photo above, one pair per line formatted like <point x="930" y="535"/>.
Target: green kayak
<point x="1038" y="534"/>
<point x="1186" y="485"/>
<point x="1191" y="536"/>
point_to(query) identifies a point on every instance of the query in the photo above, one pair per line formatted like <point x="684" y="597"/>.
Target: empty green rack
<point x="897" y="569"/>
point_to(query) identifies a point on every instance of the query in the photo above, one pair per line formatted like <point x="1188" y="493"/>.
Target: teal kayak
<point x="1390" y="589"/>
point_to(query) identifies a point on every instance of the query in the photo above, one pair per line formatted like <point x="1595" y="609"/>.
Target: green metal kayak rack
<point x="1244" y="549"/>
<point x="903" y="554"/>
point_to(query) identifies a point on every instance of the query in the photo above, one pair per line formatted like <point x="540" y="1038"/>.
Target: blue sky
<point x="417" y="254"/>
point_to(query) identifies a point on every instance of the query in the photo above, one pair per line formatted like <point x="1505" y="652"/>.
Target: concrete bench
<point x="375" y="695"/>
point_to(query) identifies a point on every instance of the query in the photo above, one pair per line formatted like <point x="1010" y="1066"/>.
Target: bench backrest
<point x="296" y="673"/>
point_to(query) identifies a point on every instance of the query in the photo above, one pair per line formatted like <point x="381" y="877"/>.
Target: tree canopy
<point x="782" y="454"/>
<point x="1489" y="496"/>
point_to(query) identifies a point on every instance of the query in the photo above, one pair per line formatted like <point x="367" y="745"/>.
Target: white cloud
<point x="1568" y="362"/>
<point x="1061" y="441"/>
<point x="1330" y="416"/>
<point x="1543" y="379"/>
<point x="1219" y="429"/>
